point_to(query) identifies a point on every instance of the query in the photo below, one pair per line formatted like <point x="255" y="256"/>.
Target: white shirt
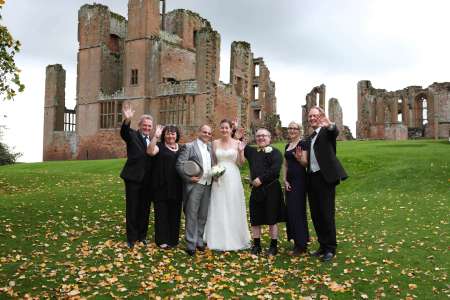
<point x="146" y="139"/>
<point x="206" y="159"/>
<point x="313" y="160"/>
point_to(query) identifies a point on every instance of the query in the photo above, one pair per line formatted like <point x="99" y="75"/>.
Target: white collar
<point x="201" y="143"/>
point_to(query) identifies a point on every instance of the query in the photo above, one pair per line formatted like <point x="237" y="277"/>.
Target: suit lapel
<point x="198" y="153"/>
<point x="141" y="139"/>
<point x="317" y="140"/>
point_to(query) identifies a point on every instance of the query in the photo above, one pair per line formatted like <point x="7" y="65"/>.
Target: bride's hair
<point x="226" y="121"/>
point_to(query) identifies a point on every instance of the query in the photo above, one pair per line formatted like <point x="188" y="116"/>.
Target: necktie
<point x="146" y="140"/>
<point x="313" y="135"/>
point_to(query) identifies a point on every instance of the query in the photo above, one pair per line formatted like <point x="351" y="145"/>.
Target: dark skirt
<point x="267" y="205"/>
<point x="297" y="224"/>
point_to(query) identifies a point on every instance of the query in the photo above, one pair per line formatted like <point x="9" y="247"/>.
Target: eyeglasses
<point x="261" y="135"/>
<point x="314" y="116"/>
<point x="293" y="128"/>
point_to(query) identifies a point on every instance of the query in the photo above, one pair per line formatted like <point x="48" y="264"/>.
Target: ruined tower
<point x="241" y="78"/>
<point x="59" y="136"/>
<point x="163" y="64"/>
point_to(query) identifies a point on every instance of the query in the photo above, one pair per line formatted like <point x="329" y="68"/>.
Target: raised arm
<point x="127" y="113"/>
<point x="301" y="156"/>
<point x="240" y="157"/>
<point x="152" y="148"/>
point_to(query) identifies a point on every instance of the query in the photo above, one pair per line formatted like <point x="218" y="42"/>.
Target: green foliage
<point x="62" y="234"/>
<point x="6" y="156"/>
<point x="9" y="73"/>
<point x="272" y="122"/>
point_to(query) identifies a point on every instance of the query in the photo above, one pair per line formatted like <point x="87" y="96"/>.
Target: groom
<point x="266" y="199"/>
<point x="197" y="189"/>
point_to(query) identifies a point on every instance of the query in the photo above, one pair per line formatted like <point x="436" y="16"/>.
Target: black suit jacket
<point x="325" y="151"/>
<point x="138" y="164"/>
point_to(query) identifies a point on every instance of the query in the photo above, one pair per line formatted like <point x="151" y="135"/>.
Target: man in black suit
<point x="136" y="175"/>
<point x="324" y="172"/>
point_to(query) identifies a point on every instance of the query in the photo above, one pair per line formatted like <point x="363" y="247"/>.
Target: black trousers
<point x="137" y="210"/>
<point x="167" y="222"/>
<point x="321" y="196"/>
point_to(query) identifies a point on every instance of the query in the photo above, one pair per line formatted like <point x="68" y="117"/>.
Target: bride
<point x="226" y="226"/>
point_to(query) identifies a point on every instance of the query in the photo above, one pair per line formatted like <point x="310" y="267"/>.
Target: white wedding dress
<point x="226" y="226"/>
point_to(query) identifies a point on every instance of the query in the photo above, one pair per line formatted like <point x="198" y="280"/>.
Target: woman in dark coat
<point x="295" y="186"/>
<point x="166" y="186"/>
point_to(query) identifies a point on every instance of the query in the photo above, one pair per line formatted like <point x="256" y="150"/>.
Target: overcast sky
<point x="304" y="43"/>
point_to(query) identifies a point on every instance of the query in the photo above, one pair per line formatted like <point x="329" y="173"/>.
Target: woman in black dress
<point x="166" y="186"/>
<point x="295" y="186"/>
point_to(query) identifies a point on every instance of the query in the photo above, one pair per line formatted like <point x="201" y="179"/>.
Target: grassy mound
<point x="62" y="235"/>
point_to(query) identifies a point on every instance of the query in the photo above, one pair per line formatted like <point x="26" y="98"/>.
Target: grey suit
<point x="195" y="196"/>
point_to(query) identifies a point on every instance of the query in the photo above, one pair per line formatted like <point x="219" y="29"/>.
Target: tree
<point x="272" y="122"/>
<point x="6" y="156"/>
<point x="9" y="73"/>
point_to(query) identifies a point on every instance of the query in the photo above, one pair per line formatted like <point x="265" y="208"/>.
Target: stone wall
<point x="420" y="111"/>
<point x="163" y="64"/>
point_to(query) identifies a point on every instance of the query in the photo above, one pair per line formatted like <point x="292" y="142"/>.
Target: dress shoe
<point x="201" y="248"/>
<point x="297" y="251"/>
<point x="130" y="245"/>
<point x="256" y="249"/>
<point x="327" y="256"/>
<point x="165" y="247"/>
<point x="190" y="252"/>
<point x="272" y="251"/>
<point x="317" y="253"/>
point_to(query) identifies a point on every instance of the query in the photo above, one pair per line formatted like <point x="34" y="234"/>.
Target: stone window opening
<point x="114" y="43"/>
<point x="257" y="70"/>
<point x="134" y="77"/>
<point x="421" y="110"/>
<point x="400" y="110"/>
<point x="194" y="38"/>
<point x="239" y="86"/>
<point x="162" y="7"/>
<point x="70" y="120"/>
<point x="256" y="92"/>
<point x="257" y="114"/>
<point x="162" y="13"/>
<point x="110" y="114"/>
<point x="174" y="111"/>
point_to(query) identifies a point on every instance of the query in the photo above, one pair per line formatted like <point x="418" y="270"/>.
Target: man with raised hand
<point x="324" y="172"/>
<point x="136" y="175"/>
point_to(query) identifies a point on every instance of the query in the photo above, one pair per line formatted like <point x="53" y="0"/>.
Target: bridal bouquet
<point x="217" y="171"/>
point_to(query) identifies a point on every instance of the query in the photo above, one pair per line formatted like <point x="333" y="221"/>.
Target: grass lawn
<point x="62" y="234"/>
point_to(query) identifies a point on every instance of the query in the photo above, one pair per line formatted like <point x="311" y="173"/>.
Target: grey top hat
<point x="191" y="168"/>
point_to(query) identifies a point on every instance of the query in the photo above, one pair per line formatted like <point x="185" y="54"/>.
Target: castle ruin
<point x="408" y="113"/>
<point x="318" y="94"/>
<point x="164" y="64"/>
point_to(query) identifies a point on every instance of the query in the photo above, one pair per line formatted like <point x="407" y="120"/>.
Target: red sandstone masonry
<point x="178" y="71"/>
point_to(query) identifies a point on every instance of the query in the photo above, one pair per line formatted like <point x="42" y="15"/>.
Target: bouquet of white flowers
<point x="217" y="171"/>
